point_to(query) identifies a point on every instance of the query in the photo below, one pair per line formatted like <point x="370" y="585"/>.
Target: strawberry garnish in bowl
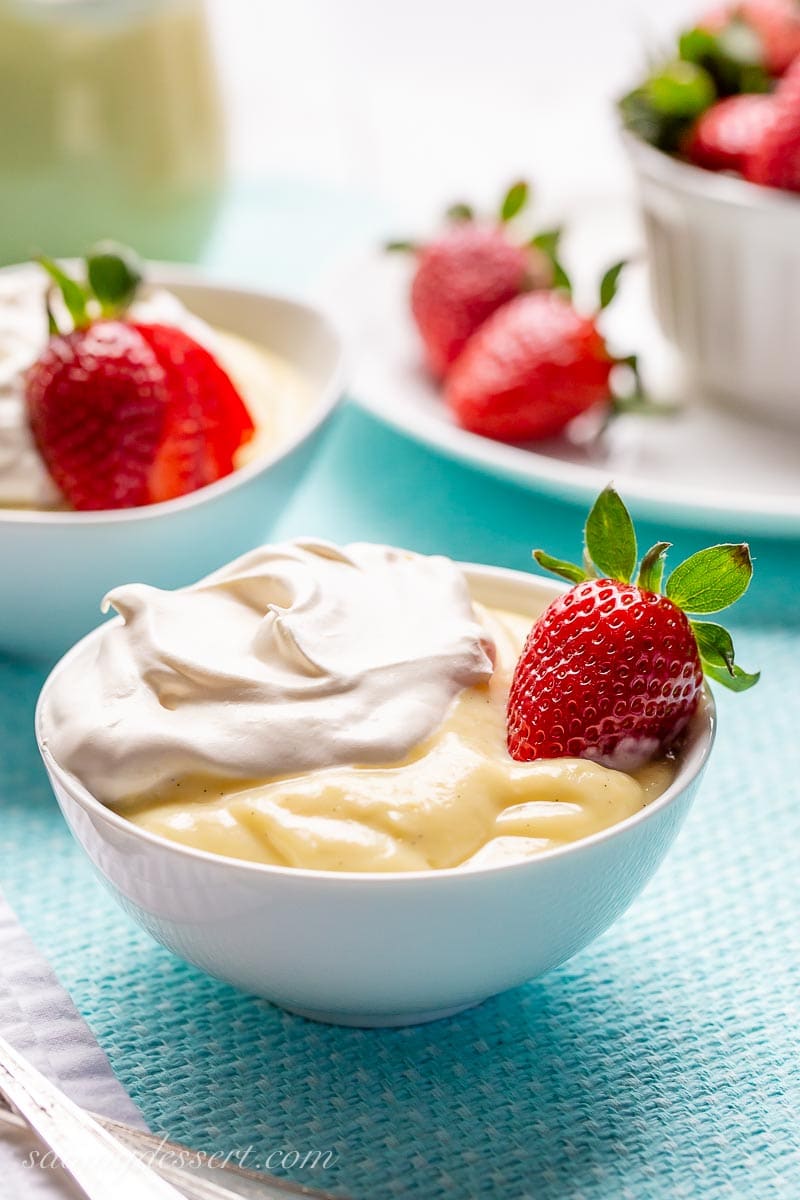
<point x="126" y="414"/>
<point x="467" y="272"/>
<point x="534" y="366"/>
<point x="613" y="669"/>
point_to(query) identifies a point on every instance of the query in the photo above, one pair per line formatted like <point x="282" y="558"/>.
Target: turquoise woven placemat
<point x="660" y="1062"/>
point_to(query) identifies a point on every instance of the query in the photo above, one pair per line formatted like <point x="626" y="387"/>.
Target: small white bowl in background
<point x="382" y="949"/>
<point x="55" y="567"/>
<point x="724" y="261"/>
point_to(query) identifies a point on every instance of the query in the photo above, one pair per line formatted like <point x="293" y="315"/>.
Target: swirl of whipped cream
<point x="292" y="658"/>
<point x="24" y="478"/>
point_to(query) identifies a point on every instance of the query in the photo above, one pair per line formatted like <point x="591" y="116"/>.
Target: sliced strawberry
<point x="207" y="420"/>
<point x="613" y="670"/>
<point x="97" y="402"/>
<point x="534" y="366"/>
<point x="726" y="136"/>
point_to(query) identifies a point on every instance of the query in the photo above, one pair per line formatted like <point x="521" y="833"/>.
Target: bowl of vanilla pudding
<point x="294" y="775"/>
<point x="285" y="360"/>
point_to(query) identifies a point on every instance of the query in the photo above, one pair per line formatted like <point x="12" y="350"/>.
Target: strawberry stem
<point x="460" y="212"/>
<point x="548" y="243"/>
<point x="706" y="582"/>
<point x="114" y="274"/>
<point x="74" y="294"/>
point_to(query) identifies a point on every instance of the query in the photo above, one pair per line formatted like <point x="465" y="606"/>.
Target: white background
<point x="427" y="99"/>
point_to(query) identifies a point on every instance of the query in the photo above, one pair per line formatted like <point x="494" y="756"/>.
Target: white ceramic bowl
<point x="382" y="949"/>
<point x="55" y="567"/>
<point x="724" y="258"/>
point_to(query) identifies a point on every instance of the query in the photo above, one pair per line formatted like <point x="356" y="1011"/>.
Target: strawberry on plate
<point x="467" y="272"/>
<point x="729" y="133"/>
<point x="127" y="414"/>
<point x="613" y="669"/>
<point x="775" y="160"/>
<point x="533" y="367"/>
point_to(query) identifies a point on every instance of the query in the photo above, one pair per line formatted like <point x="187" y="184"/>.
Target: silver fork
<point x="98" y="1152"/>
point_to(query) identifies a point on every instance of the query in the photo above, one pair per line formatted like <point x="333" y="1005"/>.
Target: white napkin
<point x="39" y="1019"/>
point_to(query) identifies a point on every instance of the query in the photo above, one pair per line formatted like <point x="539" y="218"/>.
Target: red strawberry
<point x="97" y="407"/>
<point x="461" y="278"/>
<point x="613" y="670"/>
<point x="464" y="275"/>
<point x="777" y="23"/>
<point x="728" y="133"/>
<point x="127" y="414"/>
<point x="532" y="367"/>
<point x="775" y="160"/>
<point x="206" y="420"/>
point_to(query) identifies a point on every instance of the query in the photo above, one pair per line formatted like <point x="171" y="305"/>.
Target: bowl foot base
<point x="378" y="1020"/>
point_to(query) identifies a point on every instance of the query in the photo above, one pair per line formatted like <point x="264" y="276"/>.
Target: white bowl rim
<point x="718" y="186"/>
<point x="688" y="770"/>
<point x="177" y="274"/>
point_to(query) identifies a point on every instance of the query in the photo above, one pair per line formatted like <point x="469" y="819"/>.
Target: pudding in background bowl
<point x="284" y="357"/>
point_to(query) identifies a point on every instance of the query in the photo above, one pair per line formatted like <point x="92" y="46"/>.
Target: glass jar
<point x="110" y="126"/>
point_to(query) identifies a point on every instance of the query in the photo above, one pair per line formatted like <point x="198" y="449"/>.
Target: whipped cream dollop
<point x="24" y="478"/>
<point x="292" y="658"/>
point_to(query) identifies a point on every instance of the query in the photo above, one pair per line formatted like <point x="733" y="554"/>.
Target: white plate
<point x="708" y="467"/>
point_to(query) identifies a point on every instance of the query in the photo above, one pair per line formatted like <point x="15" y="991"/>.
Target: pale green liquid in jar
<point x="110" y="126"/>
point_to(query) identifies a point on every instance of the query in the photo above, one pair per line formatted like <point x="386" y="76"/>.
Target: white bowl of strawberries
<point x="157" y="430"/>
<point x="714" y="138"/>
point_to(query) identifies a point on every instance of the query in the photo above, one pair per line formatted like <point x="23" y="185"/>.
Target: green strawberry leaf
<point x="514" y="200"/>
<point x="733" y="57"/>
<point x="651" y="571"/>
<point x="736" y="681"/>
<point x="460" y="212"/>
<point x="74" y="294"/>
<point x="610" y="536"/>
<point x="558" y="566"/>
<point x="715" y="645"/>
<point x="400" y="247"/>
<point x="548" y="242"/>
<point x="712" y="579"/>
<point x="610" y="282"/>
<point x="680" y="89"/>
<point x="588" y="566"/>
<point x="114" y="273"/>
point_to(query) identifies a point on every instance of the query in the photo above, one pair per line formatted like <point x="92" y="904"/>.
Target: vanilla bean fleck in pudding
<point x="337" y="709"/>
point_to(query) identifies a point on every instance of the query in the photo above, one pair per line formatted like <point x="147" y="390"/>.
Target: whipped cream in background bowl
<point x="57" y="564"/>
<point x="343" y="708"/>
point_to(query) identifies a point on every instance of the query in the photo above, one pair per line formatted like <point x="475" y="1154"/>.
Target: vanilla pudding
<point x="274" y="392"/>
<point x="323" y="708"/>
